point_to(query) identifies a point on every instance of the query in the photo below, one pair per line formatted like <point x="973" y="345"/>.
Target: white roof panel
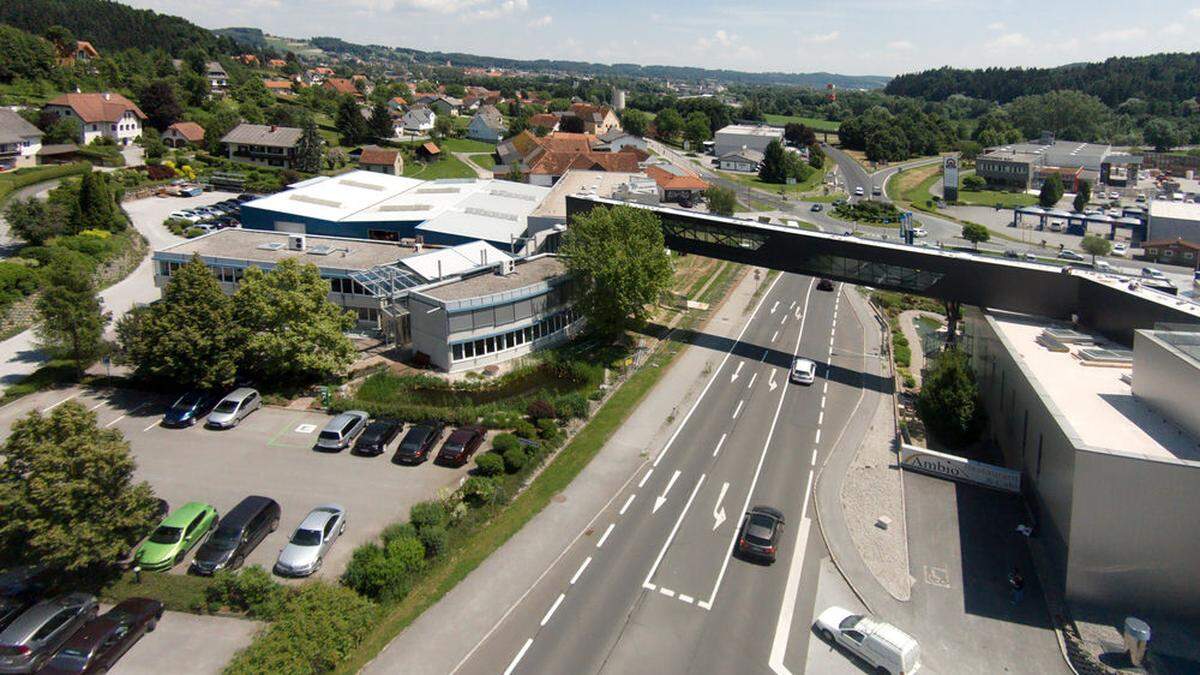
<point x="454" y="260"/>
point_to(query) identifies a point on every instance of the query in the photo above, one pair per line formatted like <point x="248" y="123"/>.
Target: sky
<point x="852" y="37"/>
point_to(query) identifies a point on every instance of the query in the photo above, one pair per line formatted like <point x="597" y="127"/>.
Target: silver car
<point x="35" y="635"/>
<point x="306" y="550"/>
<point x="234" y="408"/>
<point x="342" y="430"/>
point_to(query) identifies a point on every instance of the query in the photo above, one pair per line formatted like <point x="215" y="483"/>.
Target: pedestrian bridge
<point x="1112" y="305"/>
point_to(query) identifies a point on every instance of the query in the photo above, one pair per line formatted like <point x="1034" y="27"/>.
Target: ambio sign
<point x="957" y="468"/>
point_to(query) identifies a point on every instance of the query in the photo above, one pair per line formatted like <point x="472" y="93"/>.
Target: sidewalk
<point x="439" y="639"/>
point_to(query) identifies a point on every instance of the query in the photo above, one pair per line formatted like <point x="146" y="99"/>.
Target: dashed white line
<point x="517" y="659"/>
<point x="679" y="521"/>
<point x="550" y="612"/>
<point x="822" y="401"/>
<point x="719" y="444"/>
<point x="774" y="336"/>
<point x="55" y="405"/>
<point x="667" y="592"/>
<point x="821" y="418"/>
<point x="738" y="409"/>
<point x="785" y="318"/>
<point x="579" y="572"/>
<point x="818" y="439"/>
<point x="645" y="478"/>
<point x="825" y="389"/>
<point x="626" y="507"/>
<point x="814" y="459"/>
<point x="686" y="598"/>
<point x="752" y="379"/>
<point x="604" y="537"/>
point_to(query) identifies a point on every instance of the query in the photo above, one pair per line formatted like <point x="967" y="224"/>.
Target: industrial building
<point x="1024" y="166"/>
<point x="745" y="136"/>
<point x="1170" y="220"/>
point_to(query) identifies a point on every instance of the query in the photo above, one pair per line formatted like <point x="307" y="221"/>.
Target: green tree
<point x="721" y="201"/>
<point x="949" y="402"/>
<point x="668" y="124"/>
<point x="618" y="264"/>
<point x="976" y="234"/>
<point x="799" y="135"/>
<point x="696" y="130"/>
<point x="36" y="221"/>
<point x="350" y="122"/>
<point x="1052" y="191"/>
<point x="187" y="340"/>
<point x="309" y="153"/>
<point x="1095" y="246"/>
<point x="816" y="157"/>
<point x="62" y="38"/>
<point x="294" y="334"/>
<point x="1068" y="114"/>
<point x="635" y="121"/>
<point x="158" y="100"/>
<point x="779" y="164"/>
<point x="973" y="182"/>
<point x="70" y="319"/>
<point x="443" y="127"/>
<point x="1162" y="134"/>
<point x="62" y="130"/>
<point x="380" y="125"/>
<point x="98" y="209"/>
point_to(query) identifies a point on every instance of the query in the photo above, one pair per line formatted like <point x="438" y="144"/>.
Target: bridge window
<point x="880" y="275"/>
<point x="714" y="233"/>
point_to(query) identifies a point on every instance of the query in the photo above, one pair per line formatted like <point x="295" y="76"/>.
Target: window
<point x="457" y="351"/>
<point x="1038" y="472"/>
<point x="854" y="635"/>
<point x="52" y="625"/>
<point x="510" y="340"/>
<point x="479" y="351"/>
<point x="468" y="349"/>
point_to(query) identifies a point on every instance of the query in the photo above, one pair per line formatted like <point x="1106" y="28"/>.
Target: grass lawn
<point x="178" y="592"/>
<point x="1004" y="198"/>
<point x="485" y="160"/>
<point x="913" y="185"/>
<point x="752" y="180"/>
<point x="810" y="122"/>
<point x="465" y="145"/>
<point x="446" y="167"/>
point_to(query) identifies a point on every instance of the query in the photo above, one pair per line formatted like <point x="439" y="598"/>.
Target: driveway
<point x="193" y="643"/>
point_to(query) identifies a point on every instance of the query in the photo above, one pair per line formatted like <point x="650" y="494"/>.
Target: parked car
<point x="1103" y="266"/>
<point x="858" y="191"/>
<point x="920" y="232"/>
<point x="241" y="531"/>
<point x="30" y="640"/>
<point x="418" y="442"/>
<point x="1114" y="195"/>
<point x="759" y="535"/>
<point x="804" y="371"/>
<point x="1068" y="254"/>
<point x="1141" y="199"/>
<point x="884" y="647"/>
<point x="1151" y="273"/>
<point x="189" y="408"/>
<point x="460" y="445"/>
<point x="816" y="208"/>
<point x="305" y="551"/>
<point x="341" y="431"/>
<point x="21" y="588"/>
<point x="1120" y="248"/>
<point x="375" y="439"/>
<point x="175" y="536"/>
<point x="101" y="642"/>
<point x="245" y="197"/>
<point x="183" y="215"/>
<point x="824" y="285"/>
<point x="234" y="408"/>
<point x="161" y="509"/>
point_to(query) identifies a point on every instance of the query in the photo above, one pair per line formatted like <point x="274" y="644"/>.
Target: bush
<point x="573" y="405"/>
<point x="385" y="573"/>
<point x="973" y="182"/>
<point x="514" y="459"/>
<point x="435" y="540"/>
<point x="548" y="428"/>
<point x="427" y="514"/>
<point x="524" y="429"/>
<point x="502" y="443"/>
<point x="251" y="590"/>
<point x="478" y="490"/>
<point x="396" y="531"/>
<point x="541" y="409"/>
<point x="489" y="464"/>
<point x="16" y="282"/>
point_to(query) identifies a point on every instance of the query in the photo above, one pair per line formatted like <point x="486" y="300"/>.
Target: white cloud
<point x="1009" y="41"/>
<point x="996" y="25"/>
<point x="542" y="21"/>
<point x="1121" y="35"/>
<point x="821" y="38"/>
<point x="1173" y="29"/>
<point x="1195" y="13"/>
<point x="501" y="9"/>
<point x="900" y="45"/>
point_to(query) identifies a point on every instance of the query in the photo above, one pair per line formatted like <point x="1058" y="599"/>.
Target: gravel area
<point x="873" y="489"/>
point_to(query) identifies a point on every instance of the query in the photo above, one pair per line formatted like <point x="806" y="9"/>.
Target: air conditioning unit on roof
<point x="506" y="267"/>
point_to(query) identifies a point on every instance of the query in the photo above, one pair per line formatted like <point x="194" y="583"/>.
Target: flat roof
<point x="270" y="247"/>
<point x="752" y="130"/>
<point x="580" y="182"/>
<point x="527" y="273"/>
<point x="1163" y="208"/>
<point x="1094" y="402"/>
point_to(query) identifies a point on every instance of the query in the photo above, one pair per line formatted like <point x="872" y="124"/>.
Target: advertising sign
<point x="942" y="465"/>
<point x="950" y="178"/>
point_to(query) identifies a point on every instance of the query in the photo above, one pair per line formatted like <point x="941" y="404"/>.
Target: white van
<point x="883" y="646"/>
<point x="1057" y="226"/>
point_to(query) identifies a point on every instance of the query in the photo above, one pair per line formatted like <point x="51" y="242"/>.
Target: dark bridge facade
<point x="1029" y="288"/>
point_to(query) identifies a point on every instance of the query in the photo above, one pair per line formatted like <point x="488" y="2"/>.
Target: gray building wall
<point x="1173" y="228"/>
<point x="725" y="142"/>
<point x="1158" y="383"/>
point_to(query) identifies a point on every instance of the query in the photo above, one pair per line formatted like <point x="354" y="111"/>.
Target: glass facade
<point x="483" y="346"/>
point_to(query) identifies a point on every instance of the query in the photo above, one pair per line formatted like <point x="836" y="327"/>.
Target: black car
<point x="240" y="531"/>
<point x="375" y="439"/>
<point x="245" y="197"/>
<point x="816" y="208"/>
<point x="824" y="285"/>
<point x="189" y="408"/>
<point x="759" y="536"/>
<point x="418" y="443"/>
<point x="27" y="583"/>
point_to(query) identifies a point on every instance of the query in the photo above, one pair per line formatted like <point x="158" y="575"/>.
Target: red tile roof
<point x="548" y="120"/>
<point x="341" y="85"/>
<point x="670" y="181"/>
<point x="378" y="156"/>
<point x="430" y="148"/>
<point x="97" y="107"/>
<point x="190" y="130"/>
<point x="278" y="85"/>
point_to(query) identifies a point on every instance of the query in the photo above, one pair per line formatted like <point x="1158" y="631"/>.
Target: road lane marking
<point x="152" y="425"/>
<point x="771" y="381"/>
<point x="667" y="592"/>
<point x="704" y="604"/>
<point x="787" y="611"/>
<point x="764" y="356"/>
<point x="738" y="409"/>
<point x="679" y="521"/>
<point x="719" y="444"/>
<point x="604" y="537"/>
<point x="645" y="478"/>
<point x="718" y="510"/>
<point x="822" y="401"/>
<point x="517" y="659"/>
<point x="785" y="318"/>
<point x="579" y="572"/>
<point x="686" y="598"/>
<point x="659" y="500"/>
<point x="55" y="405"/>
<point x="550" y="612"/>
<point x="737" y="372"/>
<point x="793" y="305"/>
<point x="135" y="409"/>
<point x="814" y="459"/>
<point x="774" y="306"/>
<point x="626" y="507"/>
<point x="825" y="389"/>
<point x="752" y="379"/>
<point x="821" y="417"/>
<point x="774" y="336"/>
<point x="818" y="439"/>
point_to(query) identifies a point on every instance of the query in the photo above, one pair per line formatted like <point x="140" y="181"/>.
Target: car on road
<point x="241" y="531"/>
<point x="884" y="647"/>
<point x="175" y="536"/>
<point x="858" y="191"/>
<point x="804" y="371"/>
<point x="920" y="232"/>
<point x="1151" y="273"/>
<point x="759" y="535"/>
<point x="1120" y="249"/>
<point x="341" y="431"/>
<point x="1103" y="266"/>
<point x="816" y="208"/>
<point x="876" y="190"/>
<point x="1141" y="199"/>
<point x="824" y="285"/>
<point x="460" y="445"/>
<point x="189" y="408"/>
<point x="101" y="642"/>
<point x="376" y="438"/>
<point x="418" y="443"/>
<point x="234" y="408"/>
<point x="1068" y="254"/>
<point x="30" y="640"/>
<point x="306" y="549"/>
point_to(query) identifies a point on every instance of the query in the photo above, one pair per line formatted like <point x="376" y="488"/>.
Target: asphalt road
<point x="653" y="587"/>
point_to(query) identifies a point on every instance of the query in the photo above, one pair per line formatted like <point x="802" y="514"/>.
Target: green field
<point x="993" y="197"/>
<point x="446" y="167"/>
<point x="465" y="145"/>
<point x="484" y="160"/>
<point x="810" y="122"/>
<point x="752" y="180"/>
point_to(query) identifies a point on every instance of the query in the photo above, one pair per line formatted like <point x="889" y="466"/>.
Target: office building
<point x="744" y="136"/>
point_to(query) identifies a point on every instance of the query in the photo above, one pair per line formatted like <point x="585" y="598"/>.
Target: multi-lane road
<point x="653" y="585"/>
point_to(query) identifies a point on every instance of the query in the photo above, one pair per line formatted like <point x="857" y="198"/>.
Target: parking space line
<point x="55" y="405"/>
<point x="152" y="425"/>
<point x="97" y="405"/>
<point x="135" y="409"/>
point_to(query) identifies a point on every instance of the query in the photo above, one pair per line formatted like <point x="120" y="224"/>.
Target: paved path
<point x="909" y="329"/>
<point x="465" y="158"/>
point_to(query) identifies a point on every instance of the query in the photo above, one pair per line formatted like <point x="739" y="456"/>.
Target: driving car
<point x="858" y="191"/>
<point x="341" y="431"/>
<point x="816" y="208"/>
<point x="1103" y="266"/>
<point x="375" y="439"/>
<point x="1068" y="254"/>
<point x="100" y="643"/>
<point x="30" y="640"/>
<point x="1151" y="273"/>
<point x="306" y="549"/>
<point x="189" y="408"/>
<point x="824" y="285"/>
<point x="759" y="534"/>
<point x="1120" y="248"/>
<point x="234" y="408"/>
<point x="920" y="232"/>
<point x="460" y="445"/>
<point x="241" y="530"/>
<point x="417" y="443"/>
<point x="804" y="371"/>
<point x="884" y="647"/>
<point x="175" y="536"/>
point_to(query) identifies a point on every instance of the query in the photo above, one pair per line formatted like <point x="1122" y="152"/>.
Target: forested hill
<point x="112" y="26"/>
<point x="1160" y="78"/>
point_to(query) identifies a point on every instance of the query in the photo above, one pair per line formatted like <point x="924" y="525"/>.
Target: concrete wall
<point x="1173" y="228"/>
<point x="1157" y="367"/>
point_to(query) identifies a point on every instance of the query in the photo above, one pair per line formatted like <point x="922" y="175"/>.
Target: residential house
<point x="20" y="141"/>
<point x="318" y="74"/>
<point x="746" y="160"/>
<point x="1172" y="252"/>
<point x="281" y="88"/>
<point x="418" y="120"/>
<point x="264" y="144"/>
<point x="360" y="80"/>
<point x="547" y="121"/>
<point x="487" y="125"/>
<point x="446" y="105"/>
<point x="181" y="134"/>
<point x="396" y="105"/>
<point x="597" y="119"/>
<point x="277" y="64"/>
<point x="429" y="151"/>
<point x="247" y="59"/>
<point x="542" y="161"/>
<point x="617" y="140"/>
<point x="218" y="79"/>
<point x="677" y="185"/>
<point x="100" y="114"/>
<point x="381" y="160"/>
<point x="83" y="53"/>
<point x="342" y="86"/>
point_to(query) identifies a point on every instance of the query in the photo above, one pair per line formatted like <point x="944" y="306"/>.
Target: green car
<point x="175" y="536"/>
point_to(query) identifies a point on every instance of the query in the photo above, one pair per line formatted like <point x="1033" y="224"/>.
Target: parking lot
<point x="202" y="645"/>
<point x="270" y="453"/>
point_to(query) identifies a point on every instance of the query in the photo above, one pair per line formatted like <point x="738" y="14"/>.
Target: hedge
<point x="15" y="180"/>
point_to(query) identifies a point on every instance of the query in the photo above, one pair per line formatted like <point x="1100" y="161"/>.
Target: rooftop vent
<point x="271" y="246"/>
<point x="499" y="215"/>
<point x="315" y="200"/>
<point x="438" y="191"/>
<point x="360" y="184"/>
<point x="509" y="194"/>
<point x="405" y="207"/>
<point x="320" y="249"/>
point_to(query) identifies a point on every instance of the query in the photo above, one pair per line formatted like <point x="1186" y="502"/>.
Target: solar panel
<point x="360" y="184"/>
<point x="499" y="215"/>
<point x="315" y="200"/>
<point x="405" y="207"/>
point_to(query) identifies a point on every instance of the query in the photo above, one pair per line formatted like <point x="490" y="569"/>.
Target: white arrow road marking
<point x="774" y="306"/>
<point x="658" y="501"/>
<point x="797" y="312"/>
<point x="718" y="510"/>
<point x="771" y="382"/>
<point x="667" y="544"/>
<point x="737" y="372"/>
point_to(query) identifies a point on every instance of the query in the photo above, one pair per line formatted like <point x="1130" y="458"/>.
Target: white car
<point x="858" y="191"/>
<point x="804" y="371"/>
<point x="1151" y="273"/>
<point x="183" y="215"/>
<point x="1120" y="249"/>
<point x="919" y="232"/>
<point x="886" y="648"/>
<point x="1114" y="195"/>
<point x="1103" y="266"/>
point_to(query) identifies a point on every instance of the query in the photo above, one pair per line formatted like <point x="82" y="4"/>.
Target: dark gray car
<point x="35" y="635"/>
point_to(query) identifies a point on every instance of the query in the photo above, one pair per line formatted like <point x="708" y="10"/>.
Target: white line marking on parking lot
<point x="55" y="405"/>
<point x="97" y="405"/>
<point x="686" y="598"/>
<point x="626" y="507"/>
<point x="550" y="612"/>
<point x="604" y="537"/>
<point x="738" y="409"/>
<point x="719" y="444"/>
<point x="666" y="544"/>
<point x="152" y="425"/>
<point x="645" y="478"/>
<point x="667" y="592"/>
<point x="579" y="572"/>
<point x="512" y="666"/>
<point x="135" y="409"/>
